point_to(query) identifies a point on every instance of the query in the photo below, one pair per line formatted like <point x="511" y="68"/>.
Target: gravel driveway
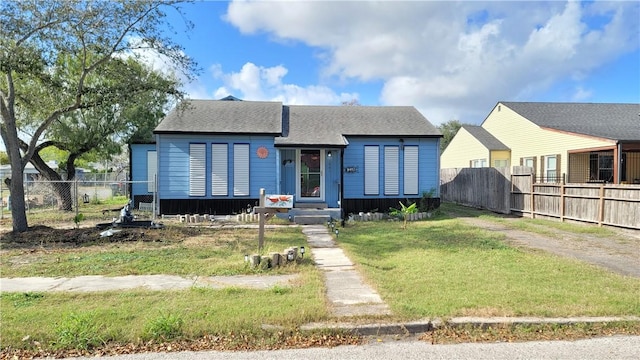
<point x="619" y="253"/>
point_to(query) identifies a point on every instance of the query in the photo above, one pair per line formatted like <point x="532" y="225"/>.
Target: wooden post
<point x="562" y="190"/>
<point x="261" y="226"/>
<point x="533" y="197"/>
<point x="601" y="207"/>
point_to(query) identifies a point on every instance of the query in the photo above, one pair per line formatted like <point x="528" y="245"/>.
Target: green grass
<point x="445" y="268"/>
<point x="129" y="316"/>
<point x="205" y="252"/>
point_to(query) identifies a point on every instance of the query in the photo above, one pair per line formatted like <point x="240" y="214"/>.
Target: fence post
<point x="2" y="201"/>
<point x="75" y="198"/>
<point x="562" y="200"/>
<point x="533" y="197"/>
<point x="601" y="207"/>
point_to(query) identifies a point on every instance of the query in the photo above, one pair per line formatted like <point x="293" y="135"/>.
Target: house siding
<point x="173" y="166"/>
<point x="139" y="173"/>
<point x="428" y="171"/>
<point x="526" y="139"/>
<point x="462" y="149"/>
<point x="500" y="155"/>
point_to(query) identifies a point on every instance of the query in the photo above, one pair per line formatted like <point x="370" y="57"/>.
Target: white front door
<point x="310" y="175"/>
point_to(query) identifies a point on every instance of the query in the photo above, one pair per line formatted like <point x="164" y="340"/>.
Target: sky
<point x="451" y="60"/>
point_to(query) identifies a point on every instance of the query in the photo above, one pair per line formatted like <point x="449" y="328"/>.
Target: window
<point x="529" y="162"/>
<point x="152" y="170"/>
<point x="391" y="164"/>
<point x="478" y="163"/>
<point x="371" y="171"/>
<point x="411" y="170"/>
<point x="241" y="169"/>
<point x="500" y="163"/>
<point x="197" y="176"/>
<point x="219" y="169"/>
<point x="550" y="169"/>
<point x="601" y="167"/>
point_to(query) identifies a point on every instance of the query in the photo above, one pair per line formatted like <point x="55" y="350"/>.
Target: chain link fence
<point x="62" y="201"/>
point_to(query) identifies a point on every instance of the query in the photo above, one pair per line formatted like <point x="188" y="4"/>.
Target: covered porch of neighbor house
<point x="616" y="164"/>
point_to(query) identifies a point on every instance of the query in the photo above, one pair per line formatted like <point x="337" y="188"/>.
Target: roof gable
<point x="222" y="116"/>
<point x="485" y="138"/>
<point x="610" y="121"/>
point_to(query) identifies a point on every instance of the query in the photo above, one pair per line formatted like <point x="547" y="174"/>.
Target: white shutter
<point x="197" y="176"/>
<point x="241" y="169"/>
<point x="152" y="170"/>
<point x="391" y="170"/>
<point x="219" y="169"/>
<point x="411" y="170"/>
<point x="371" y="171"/>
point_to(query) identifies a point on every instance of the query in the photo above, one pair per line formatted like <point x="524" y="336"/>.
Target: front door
<point x="310" y="166"/>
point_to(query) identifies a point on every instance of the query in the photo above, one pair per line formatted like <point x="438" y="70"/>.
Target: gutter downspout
<point x="619" y="164"/>
<point x="341" y="187"/>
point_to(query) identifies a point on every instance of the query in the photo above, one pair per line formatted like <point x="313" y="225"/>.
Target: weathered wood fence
<point x="602" y="204"/>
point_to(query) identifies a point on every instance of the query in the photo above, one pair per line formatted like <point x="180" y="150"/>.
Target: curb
<point x="422" y="326"/>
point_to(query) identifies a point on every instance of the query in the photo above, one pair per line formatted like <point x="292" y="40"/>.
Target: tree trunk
<point x="61" y="188"/>
<point x="18" y="208"/>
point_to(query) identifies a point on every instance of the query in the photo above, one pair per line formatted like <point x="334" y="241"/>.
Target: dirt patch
<point x="619" y="253"/>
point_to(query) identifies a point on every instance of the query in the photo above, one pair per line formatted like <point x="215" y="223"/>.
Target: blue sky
<point x="451" y="60"/>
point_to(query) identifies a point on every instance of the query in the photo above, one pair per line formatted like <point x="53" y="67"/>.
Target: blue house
<point x="214" y="156"/>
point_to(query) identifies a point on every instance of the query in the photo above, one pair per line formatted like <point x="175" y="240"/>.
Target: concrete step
<point x="311" y="219"/>
<point x="310" y="205"/>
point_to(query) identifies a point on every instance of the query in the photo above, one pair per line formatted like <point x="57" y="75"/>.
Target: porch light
<point x="302" y="251"/>
<point x="329" y="154"/>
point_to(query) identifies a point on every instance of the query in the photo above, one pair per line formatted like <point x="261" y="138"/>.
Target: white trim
<point x="241" y="170"/>
<point x="371" y="170"/>
<point x="152" y="170"/>
<point x="219" y="169"/>
<point x="391" y="170"/>
<point x="197" y="168"/>
<point x="411" y="170"/>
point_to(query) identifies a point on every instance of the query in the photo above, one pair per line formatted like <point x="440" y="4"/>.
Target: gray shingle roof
<point x="219" y="117"/>
<point x="297" y="125"/>
<point x="610" y="121"/>
<point x="485" y="138"/>
<point x="328" y="125"/>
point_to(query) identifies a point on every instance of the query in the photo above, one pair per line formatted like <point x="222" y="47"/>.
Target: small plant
<point x="403" y="212"/>
<point x="78" y="331"/>
<point x="164" y="327"/>
<point x="78" y="218"/>
<point x="426" y="201"/>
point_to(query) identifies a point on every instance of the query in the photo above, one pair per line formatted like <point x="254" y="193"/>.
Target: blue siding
<point x="173" y="164"/>
<point x="428" y="160"/>
<point x="139" y="168"/>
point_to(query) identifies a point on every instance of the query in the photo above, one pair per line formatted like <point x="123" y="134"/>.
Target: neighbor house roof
<point x="297" y="125"/>
<point x="610" y="121"/>
<point x="223" y="117"/>
<point x="328" y="125"/>
<point x="485" y="138"/>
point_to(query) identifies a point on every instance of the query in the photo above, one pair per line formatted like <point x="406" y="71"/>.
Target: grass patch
<point x="133" y="316"/>
<point x="177" y="250"/>
<point x="444" y="268"/>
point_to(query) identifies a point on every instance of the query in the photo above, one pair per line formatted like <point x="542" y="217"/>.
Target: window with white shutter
<point x="391" y="170"/>
<point x="197" y="166"/>
<point x="410" y="170"/>
<point x="371" y="171"/>
<point x="241" y="169"/>
<point x="152" y="170"/>
<point x="219" y="169"/>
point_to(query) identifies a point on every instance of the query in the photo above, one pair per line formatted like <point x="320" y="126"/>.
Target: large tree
<point x="60" y="60"/>
<point x="448" y="129"/>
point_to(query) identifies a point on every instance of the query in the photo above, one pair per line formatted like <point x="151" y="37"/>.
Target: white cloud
<point x="449" y="59"/>
<point x="254" y="82"/>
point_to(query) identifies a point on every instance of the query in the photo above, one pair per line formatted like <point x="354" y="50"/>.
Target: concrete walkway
<point x="346" y="291"/>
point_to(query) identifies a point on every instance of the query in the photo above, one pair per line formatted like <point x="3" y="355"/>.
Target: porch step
<point x="311" y="219"/>
<point x="310" y="205"/>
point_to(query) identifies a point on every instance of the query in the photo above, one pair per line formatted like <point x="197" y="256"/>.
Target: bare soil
<point x="619" y="253"/>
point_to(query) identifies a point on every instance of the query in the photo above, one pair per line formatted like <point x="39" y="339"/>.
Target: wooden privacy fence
<point x="602" y="204"/>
